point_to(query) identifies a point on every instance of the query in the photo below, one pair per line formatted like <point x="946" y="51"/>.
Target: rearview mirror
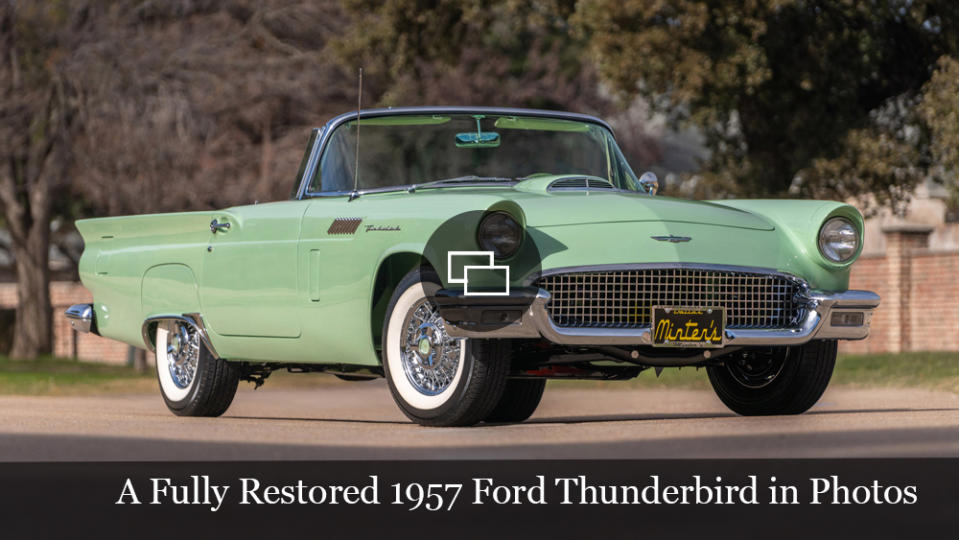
<point x="489" y="139"/>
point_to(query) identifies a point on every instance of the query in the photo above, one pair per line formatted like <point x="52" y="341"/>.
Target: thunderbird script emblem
<point x="672" y="239"/>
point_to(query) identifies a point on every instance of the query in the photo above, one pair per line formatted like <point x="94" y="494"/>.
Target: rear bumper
<point x="82" y="318"/>
<point x="523" y="314"/>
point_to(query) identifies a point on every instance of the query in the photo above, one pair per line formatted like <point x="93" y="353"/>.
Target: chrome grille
<point x="624" y="298"/>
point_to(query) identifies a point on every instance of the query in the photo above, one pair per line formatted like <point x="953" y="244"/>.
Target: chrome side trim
<point x="82" y="318"/>
<point x="536" y="323"/>
<point x="193" y="319"/>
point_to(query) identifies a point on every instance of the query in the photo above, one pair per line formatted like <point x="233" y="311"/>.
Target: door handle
<point x="217" y="226"/>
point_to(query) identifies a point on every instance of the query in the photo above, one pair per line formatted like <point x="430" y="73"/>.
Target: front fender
<point x="800" y="222"/>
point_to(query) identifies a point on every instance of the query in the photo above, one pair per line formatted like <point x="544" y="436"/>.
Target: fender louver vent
<point x="579" y="184"/>
<point x="344" y="226"/>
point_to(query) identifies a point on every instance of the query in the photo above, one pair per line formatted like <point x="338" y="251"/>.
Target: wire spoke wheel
<point x="183" y="354"/>
<point x="430" y="357"/>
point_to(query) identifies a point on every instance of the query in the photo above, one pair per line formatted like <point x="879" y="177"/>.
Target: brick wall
<point x="920" y="294"/>
<point x="66" y="342"/>
<point x="934" y="290"/>
<point x="871" y="273"/>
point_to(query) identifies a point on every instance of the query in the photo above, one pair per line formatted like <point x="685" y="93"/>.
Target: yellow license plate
<point x="675" y="326"/>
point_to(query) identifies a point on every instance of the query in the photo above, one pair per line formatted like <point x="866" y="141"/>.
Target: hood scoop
<point x="579" y="183"/>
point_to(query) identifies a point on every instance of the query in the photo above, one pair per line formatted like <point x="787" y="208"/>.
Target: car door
<point x="335" y="274"/>
<point x="248" y="284"/>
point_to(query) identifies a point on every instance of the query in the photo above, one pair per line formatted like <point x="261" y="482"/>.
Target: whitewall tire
<point x="437" y="380"/>
<point x="192" y="381"/>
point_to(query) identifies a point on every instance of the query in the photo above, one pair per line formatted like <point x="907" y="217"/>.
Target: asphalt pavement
<point x="360" y="421"/>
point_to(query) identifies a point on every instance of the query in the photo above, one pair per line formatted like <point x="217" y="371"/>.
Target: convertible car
<point x="467" y="255"/>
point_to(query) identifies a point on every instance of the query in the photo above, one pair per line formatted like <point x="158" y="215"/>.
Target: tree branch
<point x="10" y="207"/>
<point x="62" y="244"/>
<point x="256" y="24"/>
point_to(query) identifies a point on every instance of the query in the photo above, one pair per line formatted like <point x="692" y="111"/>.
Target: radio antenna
<point x="356" y="165"/>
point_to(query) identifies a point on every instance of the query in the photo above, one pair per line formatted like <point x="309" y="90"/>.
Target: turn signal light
<point x="847" y="318"/>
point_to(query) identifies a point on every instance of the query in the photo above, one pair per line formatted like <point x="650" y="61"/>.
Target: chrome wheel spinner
<point x="183" y="353"/>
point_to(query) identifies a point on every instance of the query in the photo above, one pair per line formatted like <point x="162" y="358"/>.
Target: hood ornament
<point x="672" y="238"/>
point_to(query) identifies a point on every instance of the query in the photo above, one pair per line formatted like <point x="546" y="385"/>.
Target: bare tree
<point x="36" y="122"/>
<point x="176" y="119"/>
<point x="133" y="106"/>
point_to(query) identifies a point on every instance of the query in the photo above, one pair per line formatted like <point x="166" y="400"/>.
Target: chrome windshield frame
<point x="327" y="130"/>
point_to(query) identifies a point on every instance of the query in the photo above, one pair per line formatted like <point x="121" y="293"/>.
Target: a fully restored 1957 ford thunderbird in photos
<point x="469" y="254"/>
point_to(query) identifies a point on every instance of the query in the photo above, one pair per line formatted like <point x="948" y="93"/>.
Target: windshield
<point x="405" y="150"/>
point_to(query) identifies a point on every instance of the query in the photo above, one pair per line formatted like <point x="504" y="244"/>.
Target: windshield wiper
<point x="413" y="187"/>
<point x="472" y="178"/>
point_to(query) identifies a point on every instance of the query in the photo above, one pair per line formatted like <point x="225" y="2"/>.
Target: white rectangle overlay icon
<point x="466" y="269"/>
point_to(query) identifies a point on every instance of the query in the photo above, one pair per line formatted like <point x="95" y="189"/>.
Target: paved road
<point x="359" y="421"/>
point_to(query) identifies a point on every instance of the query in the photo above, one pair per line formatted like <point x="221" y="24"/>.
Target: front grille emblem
<point x="672" y="239"/>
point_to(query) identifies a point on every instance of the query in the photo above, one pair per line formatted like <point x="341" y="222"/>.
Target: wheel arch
<point x="389" y="273"/>
<point x="148" y="329"/>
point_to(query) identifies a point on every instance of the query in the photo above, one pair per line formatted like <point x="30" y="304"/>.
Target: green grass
<point x="935" y="370"/>
<point x="54" y="376"/>
<point x="51" y="376"/>
<point x="57" y="376"/>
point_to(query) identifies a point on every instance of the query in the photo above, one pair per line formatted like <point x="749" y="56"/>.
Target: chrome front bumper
<point x="525" y="316"/>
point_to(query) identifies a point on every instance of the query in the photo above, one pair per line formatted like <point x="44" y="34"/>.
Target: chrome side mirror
<point x="649" y="183"/>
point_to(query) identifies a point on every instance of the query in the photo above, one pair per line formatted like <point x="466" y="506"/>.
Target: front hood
<point x="631" y="243"/>
<point x="578" y="228"/>
<point x="543" y="208"/>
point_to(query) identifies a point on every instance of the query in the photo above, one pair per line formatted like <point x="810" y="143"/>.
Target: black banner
<point x="856" y="498"/>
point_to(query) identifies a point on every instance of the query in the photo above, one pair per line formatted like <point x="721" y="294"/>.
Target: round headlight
<point x="838" y="240"/>
<point x="500" y="233"/>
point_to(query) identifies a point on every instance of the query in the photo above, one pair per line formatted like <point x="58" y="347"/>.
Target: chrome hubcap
<point x="182" y="353"/>
<point x="430" y="356"/>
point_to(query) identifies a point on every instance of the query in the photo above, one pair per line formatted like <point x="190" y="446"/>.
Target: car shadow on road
<point x="896" y="442"/>
<point x="890" y="410"/>
<point x="625" y="417"/>
<point x="547" y="420"/>
<point x="706" y="416"/>
<point x="598" y="418"/>
<point x="303" y="419"/>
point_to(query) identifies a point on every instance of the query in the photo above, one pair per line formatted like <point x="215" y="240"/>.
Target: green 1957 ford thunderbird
<point x="469" y="254"/>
